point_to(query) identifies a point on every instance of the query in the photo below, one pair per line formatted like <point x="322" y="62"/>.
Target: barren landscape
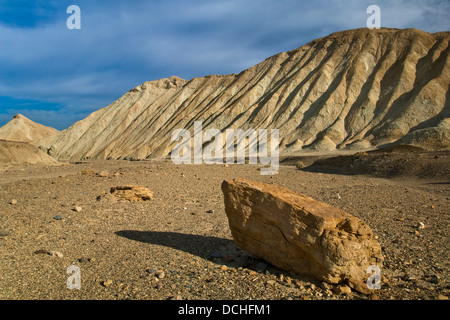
<point x="178" y="245"/>
<point x="363" y="118"/>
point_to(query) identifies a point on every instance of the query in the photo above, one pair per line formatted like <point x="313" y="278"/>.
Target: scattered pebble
<point x="103" y="174"/>
<point x="4" y="233"/>
<point x="13" y="202"/>
<point x="342" y="289"/>
<point x="56" y="254"/>
<point x="50" y="253"/>
<point x="58" y="217"/>
<point x="77" y="209"/>
<point x="107" y="283"/>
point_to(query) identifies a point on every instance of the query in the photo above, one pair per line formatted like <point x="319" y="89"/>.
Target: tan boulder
<point x="297" y="233"/>
<point x="131" y="193"/>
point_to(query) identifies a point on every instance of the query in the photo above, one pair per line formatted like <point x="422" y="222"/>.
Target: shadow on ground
<point x="202" y="246"/>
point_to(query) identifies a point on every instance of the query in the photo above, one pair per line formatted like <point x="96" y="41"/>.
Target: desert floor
<point x="178" y="245"/>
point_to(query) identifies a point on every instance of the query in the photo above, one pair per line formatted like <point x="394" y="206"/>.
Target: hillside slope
<point x="357" y="89"/>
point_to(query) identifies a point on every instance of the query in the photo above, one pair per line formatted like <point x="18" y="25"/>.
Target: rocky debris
<point x="107" y="283"/>
<point x="13" y="202"/>
<point x="50" y="253"/>
<point x="58" y="217"/>
<point x="4" y="233"/>
<point x="131" y="193"/>
<point x="77" y="209"/>
<point x="297" y="233"/>
<point x="103" y="174"/>
<point x="299" y="165"/>
<point x="342" y="289"/>
<point x="88" y="172"/>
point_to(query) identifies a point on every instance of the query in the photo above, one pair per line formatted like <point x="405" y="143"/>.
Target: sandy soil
<point x="178" y="245"/>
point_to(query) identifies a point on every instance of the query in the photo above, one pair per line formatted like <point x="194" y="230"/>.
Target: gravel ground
<point x="178" y="245"/>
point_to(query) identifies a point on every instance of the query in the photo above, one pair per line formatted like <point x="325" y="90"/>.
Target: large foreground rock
<point x="300" y="234"/>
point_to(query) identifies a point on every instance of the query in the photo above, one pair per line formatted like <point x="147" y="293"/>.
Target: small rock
<point x="342" y="289"/>
<point x="4" y="233"/>
<point x="442" y="297"/>
<point x="409" y="277"/>
<point x="373" y="296"/>
<point x="103" y="174"/>
<point x="325" y="286"/>
<point x="270" y="282"/>
<point x="131" y="193"/>
<point x="56" y="254"/>
<point x="49" y="252"/>
<point x="58" y="217"/>
<point x="107" y="283"/>
<point x="210" y="211"/>
<point x="77" y="209"/>
<point x="13" y="202"/>
<point x="421" y="225"/>
<point x="160" y="274"/>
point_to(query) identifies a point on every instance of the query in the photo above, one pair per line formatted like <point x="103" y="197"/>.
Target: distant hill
<point x="352" y="90"/>
<point x="20" y="128"/>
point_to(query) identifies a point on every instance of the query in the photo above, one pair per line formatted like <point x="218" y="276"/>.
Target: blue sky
<point x="56" y="76"/>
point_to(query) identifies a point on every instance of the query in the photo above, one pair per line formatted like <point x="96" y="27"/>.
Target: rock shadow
<point x="206" y="247"/>
<point x="218" y="250"/>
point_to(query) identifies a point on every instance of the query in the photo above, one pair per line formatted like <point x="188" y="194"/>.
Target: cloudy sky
<point x="57" y="76"/>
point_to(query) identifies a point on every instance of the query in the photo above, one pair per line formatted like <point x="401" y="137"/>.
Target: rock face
<point x="300" y="234"/>
<point x="355" y="89"/>
<point x="22" y="129"/>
